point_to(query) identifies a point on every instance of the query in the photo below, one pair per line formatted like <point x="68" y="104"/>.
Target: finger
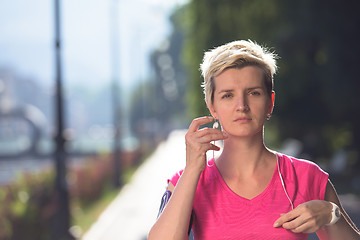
<point x="214" y="147"/>
<point x="208" y="146"/>
<point x="301" y="226"/>
<point x="306" y="228"/>
<point x="197" y="122"/>
<point x="286" y="218"/>
<point x="209" y="134"/>
<point x="294" y="224"/>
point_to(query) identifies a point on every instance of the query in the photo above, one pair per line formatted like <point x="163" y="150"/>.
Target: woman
<point x="249" y="191"/>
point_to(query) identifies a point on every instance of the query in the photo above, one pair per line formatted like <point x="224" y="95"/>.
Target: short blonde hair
<point x="236" y="54"/>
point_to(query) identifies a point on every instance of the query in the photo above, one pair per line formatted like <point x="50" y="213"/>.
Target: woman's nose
<point x="242" y="104"/>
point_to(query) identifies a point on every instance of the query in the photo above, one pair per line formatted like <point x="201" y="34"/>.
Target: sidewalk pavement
<point x="134" y="210"/>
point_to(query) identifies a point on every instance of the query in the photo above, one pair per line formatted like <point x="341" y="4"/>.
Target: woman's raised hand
<point x="198" y="142"/>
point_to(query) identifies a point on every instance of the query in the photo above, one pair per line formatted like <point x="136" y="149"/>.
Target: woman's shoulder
<point x="209" y="172"/>
<point x="298" y="163"/>
<point x="303" y="176"/>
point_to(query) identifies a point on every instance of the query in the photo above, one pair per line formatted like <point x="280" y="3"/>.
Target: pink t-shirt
<point x="222" y="214"/>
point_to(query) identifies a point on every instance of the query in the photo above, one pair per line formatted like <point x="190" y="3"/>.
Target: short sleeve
<point x="320" y="179"/>
<point x="175" y="178"/>
<point x="312" y="179"/>
<point x="304" y="180"/>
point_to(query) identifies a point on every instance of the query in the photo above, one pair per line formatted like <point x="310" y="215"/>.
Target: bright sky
<point x="27" y="38"/>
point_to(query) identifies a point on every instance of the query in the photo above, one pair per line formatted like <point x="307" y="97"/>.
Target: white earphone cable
<point x="283" y="184"/>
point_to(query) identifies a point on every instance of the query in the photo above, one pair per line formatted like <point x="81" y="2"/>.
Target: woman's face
<point x="241" y="102"/>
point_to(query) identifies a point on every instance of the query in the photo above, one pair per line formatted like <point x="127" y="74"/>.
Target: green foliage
<point x="28" y="205"/>
<point x="89" y="180"/>
<point x="85" y="216"/>
<point x="91" y="185"/>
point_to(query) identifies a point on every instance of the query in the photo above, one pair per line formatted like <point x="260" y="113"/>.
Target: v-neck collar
<point x="257" y="197"/>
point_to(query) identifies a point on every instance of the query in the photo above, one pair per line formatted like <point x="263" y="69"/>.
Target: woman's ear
<point x="211" y="108"/>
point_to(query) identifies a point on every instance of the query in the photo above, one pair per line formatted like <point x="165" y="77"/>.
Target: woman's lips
<point x="243" y="120"/>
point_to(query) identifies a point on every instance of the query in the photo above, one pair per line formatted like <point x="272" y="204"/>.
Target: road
<point x="134" y="210"/>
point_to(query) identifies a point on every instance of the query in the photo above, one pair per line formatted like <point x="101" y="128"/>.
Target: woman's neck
<point x="244" y="156"/>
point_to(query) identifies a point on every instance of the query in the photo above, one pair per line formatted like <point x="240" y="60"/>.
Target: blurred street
<point x="131" y="214"/>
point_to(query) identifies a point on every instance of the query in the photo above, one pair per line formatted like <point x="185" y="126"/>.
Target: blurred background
<point x="90" y="89"/>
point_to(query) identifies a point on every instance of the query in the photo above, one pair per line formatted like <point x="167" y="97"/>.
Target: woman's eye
<point x="228" y="95"/>
<point x="254" y="93"/>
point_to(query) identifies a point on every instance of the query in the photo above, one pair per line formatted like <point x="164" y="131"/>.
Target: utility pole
<point x="115" y="74"/>
<point x="62" y="217"/>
